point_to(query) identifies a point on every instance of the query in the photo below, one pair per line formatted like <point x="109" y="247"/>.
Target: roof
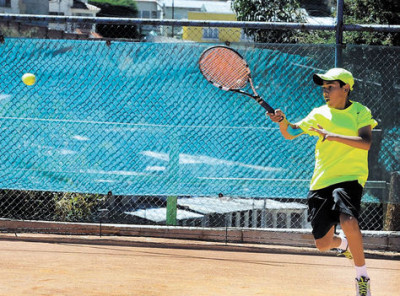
<point x="81" y="5"/>
<point x="92" y="7"/>
<point x="210" y="205"/>
<point x="78" y="4"/>
<point x="159" y="215"/>
<point x="197" y="207"/>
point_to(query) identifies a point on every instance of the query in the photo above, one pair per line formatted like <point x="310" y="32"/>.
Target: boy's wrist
<point x="283" y="121"/>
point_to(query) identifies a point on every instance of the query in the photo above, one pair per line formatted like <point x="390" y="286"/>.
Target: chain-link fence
<point x="121" y="127"/>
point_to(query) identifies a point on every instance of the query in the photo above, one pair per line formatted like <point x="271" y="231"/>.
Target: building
<point x="150" y="9"/>
<point x="226" y="212"/>
<point x="179" y="9"/>
<point x="8" y="6"/>
<point x="24" y="7"/>
<point x="157" y="9"/>
<point x="72" y="8"/>
<point x="212" y="34"/>
<point x="195" y="10"/>
<point x="53" y="7"/>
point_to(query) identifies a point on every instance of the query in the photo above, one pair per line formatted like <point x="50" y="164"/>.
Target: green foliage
<point x="76" y="207"/>
<point x="316" y="37"/>
<point x="44" y="205"/>
<point x="355" y="12"/>
<point x="372" y="11"/>
<point x="126" y="3"/>
<point x="117" y="8"/>
<point x="269" y="11"/>
<point x="15" y="32"/>
<point x="29" y="205"/>
<point x="385" y="12"/>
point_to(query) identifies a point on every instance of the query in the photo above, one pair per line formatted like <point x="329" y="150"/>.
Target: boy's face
<point x="334" y="95"/>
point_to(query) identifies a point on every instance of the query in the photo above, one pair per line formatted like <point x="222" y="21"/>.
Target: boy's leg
<point x="328" y="241"/>
<point x="348" y="199"/>
<point x="353" y="234"/>
<point x="351" y="229"/>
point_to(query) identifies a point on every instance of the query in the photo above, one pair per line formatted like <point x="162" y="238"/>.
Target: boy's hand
<point x="278" y="116"/>
<point x="322" y="132"/>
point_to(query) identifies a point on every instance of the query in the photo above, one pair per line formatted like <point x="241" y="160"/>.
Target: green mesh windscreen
<point x="139" y="119"/>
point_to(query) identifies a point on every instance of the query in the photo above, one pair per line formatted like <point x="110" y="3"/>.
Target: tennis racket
<point x="226" y="69"/>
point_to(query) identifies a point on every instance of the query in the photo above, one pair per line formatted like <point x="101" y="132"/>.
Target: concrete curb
<point x="374" y="241"/>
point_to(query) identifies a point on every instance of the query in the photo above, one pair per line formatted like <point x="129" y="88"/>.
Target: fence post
<point x="339" y="34"/>
<point x="392" y="215"/>
<point x="171" y="210"/>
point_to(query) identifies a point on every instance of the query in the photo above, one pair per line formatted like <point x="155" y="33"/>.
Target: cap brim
<point x="345" y="76"/>
<point x="318" y="80"/>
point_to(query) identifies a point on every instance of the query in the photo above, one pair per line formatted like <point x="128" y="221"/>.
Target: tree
<point x="355" y="12"/>
<point x="385" y="12"/>
<point x="126" y="3"/>
<point x="269" y="11"/>
<point x="117" y="8"/>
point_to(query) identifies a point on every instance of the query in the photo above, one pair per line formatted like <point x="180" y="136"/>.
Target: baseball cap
<point x="335" y="74"/>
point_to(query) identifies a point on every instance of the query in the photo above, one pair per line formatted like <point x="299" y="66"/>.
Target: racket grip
<point x="267" y="107"/>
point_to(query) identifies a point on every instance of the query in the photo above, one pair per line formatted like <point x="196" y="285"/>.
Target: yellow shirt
<point x="336" y="162"/>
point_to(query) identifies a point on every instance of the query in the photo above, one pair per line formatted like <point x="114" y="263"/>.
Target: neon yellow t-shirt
<point x="336" y="162"/>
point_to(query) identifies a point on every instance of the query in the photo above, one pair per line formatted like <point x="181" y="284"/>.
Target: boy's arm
<point x="362" y="141"/>
<point x="288" y="130"/>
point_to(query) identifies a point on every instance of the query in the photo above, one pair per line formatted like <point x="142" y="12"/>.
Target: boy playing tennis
<point x="341" y="167"/>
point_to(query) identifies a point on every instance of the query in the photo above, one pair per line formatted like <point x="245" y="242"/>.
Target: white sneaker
<point x="363" y="286"/>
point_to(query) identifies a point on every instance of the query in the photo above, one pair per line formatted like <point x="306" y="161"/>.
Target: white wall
<point x="149" y="9"/>
<point x="13" y="9"/>
<point x="63" y="7"/>
<point x="34" y="7"/>
<point x="60" y="7"/>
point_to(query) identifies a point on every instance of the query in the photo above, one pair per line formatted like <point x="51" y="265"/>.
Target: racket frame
<point x="254" y="96"/>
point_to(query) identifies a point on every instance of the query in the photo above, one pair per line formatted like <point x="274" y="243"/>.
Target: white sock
<point x="344" y="244"/>
<point x="361" y="271"/>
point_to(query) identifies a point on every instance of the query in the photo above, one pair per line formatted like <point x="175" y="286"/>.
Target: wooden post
<point x="392" y="215"/>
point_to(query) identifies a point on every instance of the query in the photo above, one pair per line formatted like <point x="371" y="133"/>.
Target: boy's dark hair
<point x="341" y="83"/>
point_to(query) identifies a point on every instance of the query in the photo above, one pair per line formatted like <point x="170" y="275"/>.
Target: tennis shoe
<point x="363" y="286"/>
<point x="346" y="253"/>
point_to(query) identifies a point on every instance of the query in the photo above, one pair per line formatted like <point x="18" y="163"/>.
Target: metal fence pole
<point x="339" y="34"/>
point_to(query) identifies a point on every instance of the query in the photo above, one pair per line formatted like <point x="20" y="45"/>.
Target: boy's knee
<point x="349" y="224"/>
<point x="323" y="244"/>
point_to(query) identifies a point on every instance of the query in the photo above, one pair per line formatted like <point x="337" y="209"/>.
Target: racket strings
<point x="225" y="68"/>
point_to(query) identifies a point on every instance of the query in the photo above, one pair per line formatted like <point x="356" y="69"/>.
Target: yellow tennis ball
<point x="29" y="79"/>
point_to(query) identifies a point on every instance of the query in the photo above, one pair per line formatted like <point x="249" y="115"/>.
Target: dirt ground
<point x="57" y="267"/>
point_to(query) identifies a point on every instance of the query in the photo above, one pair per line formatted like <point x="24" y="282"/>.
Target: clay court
<point x="61" y="265"/>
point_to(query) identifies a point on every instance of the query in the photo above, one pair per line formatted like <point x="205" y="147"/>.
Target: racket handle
<point x="266" y="106"/>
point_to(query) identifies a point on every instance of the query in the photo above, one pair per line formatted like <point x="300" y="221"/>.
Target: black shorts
<point x="325" y="205"/>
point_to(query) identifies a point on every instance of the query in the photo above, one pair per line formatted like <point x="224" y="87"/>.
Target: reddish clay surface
<point x="54" y="268"/>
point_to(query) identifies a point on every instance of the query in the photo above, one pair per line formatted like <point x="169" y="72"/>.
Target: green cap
<point x="335" y="74"/>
